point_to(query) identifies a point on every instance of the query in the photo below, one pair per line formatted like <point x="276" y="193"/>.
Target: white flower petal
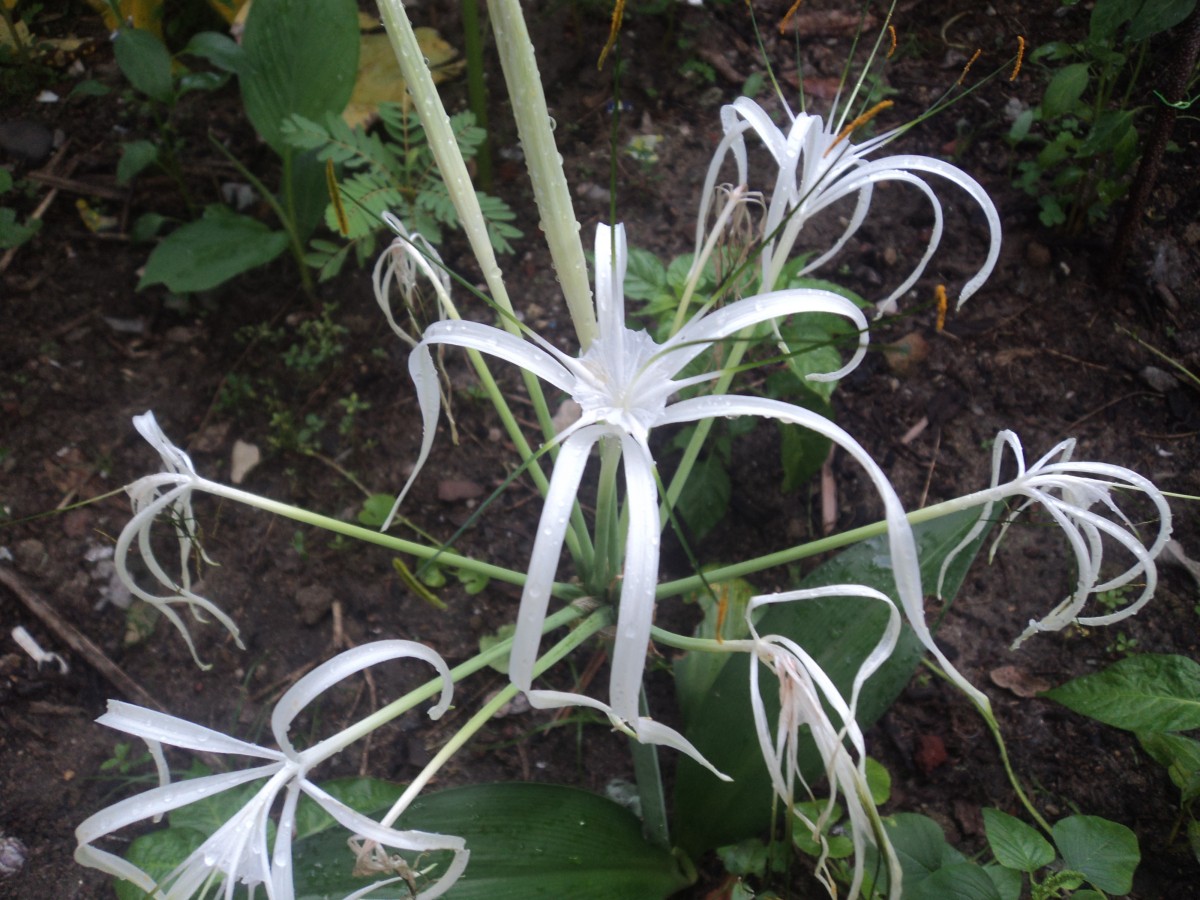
<point x="336" y="670"/>
<point x="543" y="562"/>
<point x="167" y="729"/>
<point x="639" y="581"/>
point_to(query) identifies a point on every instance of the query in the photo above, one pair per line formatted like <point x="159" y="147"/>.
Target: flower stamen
<point x="859" y="122"/>
<point x="1020" y="57"/>
<point x="967" y="67"/>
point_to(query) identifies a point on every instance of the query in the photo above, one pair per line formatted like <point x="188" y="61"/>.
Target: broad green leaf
<point x="135" y="156"/>
<point x="219" y="49"/>
<point x="526" y="841"/>
<point x="1109" y="15"/>
<point x="145" y="62"/>
<point x="1008" y="882"/>
<point x="839" y="633"/>
<point x="203" y="254"/>
<point x="156" y="854"/>
<point x="962" y="881"/>
<point x="920" y="847"/>
<point x="298" y="57"/>
<point x="1144" y="692"/>
<point x="1105" y="852"/>
<point x="1180" y="756"/>
<point x="1193" y="836"/>
<point x="1156" y="16"/>
<point x="705" y="496"/>
<point x="645" y="276"/>
<point x="695" y="673"/>
<point x="1015" y="844"/>
<point x="1064" y="90"/>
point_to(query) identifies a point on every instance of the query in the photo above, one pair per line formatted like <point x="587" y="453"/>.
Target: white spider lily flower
<point x="819" y="165"/>
<point x="237" y="852"/>
<point x="171" y="492"/>
<point x="808" y="698"/>
<point x="1068" y="491"/>
<point x="622" y="384"/>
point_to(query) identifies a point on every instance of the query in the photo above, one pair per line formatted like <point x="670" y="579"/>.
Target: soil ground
<point x="1044" y="349"/>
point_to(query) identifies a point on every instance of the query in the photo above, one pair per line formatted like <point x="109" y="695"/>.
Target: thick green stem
<point x="477" y="88"/>
<point x="542" y="158"/>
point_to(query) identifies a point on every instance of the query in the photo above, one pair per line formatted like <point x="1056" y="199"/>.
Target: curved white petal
<point x="639" y="581"/>
<point x="543" y="562"/>
<point x="697" y="335"/>
<point x="167" y="729"/>
<point x="973" y="188"/>
<point x="342" y="666"/>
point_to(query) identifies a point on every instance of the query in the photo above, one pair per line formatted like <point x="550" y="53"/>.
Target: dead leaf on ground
<point x="1018" y="681"/>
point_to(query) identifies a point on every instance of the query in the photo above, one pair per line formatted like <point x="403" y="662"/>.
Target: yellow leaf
<point x="142" y="14"/>
<point x="227" y="9"/>
<point x="379" y="79"/>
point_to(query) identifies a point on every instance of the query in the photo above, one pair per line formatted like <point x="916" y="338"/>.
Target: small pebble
<point x="12" y="855"/>
<point x="1159" y="379"/>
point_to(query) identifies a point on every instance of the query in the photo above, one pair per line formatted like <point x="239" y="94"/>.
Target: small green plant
<point x="1155" y="696"/>
<point x="1085" y="127"/>
<point x="12" y="232"/>
<point x="1122" y="644"/>
<point x="296" y="57"/>
<point x="393" y="172"/>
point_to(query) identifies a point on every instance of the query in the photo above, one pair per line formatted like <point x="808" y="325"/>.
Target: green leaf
<point x="300" y="57"/>
<point x="145" y="62"/>
<point x="375" y="510"/>
<point x="705" y="496"/>
<point x="695" y="673"/>
<point x="1064" y="90"/>
<point x="1156" y="16"/>
<point x="203" y="254"/>
<point x="962" y="881"/>
<point x="645" y="276"/>
<point x="12" y="233"/>
<point x="1193" y="836"/>
<point x="1105" y="852"/>
<point x="1144" y="692"/>
<point x="1109" y="15"/>
<point x="879" y="781"/>
<point x="1015" y="844"/>
<point x="135" y="156"/>
<point x="526" y="841"/>
<point x="156" y="854"/>
<point x="920" y="847"/>
<point x="838" y="632"/>
<point x="219" y="49"/>
<point x="1008" y="882"/>
<point x="1180" y="756"/>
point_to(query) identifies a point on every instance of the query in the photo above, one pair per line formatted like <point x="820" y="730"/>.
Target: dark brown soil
<point x="1043" y="349"/>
